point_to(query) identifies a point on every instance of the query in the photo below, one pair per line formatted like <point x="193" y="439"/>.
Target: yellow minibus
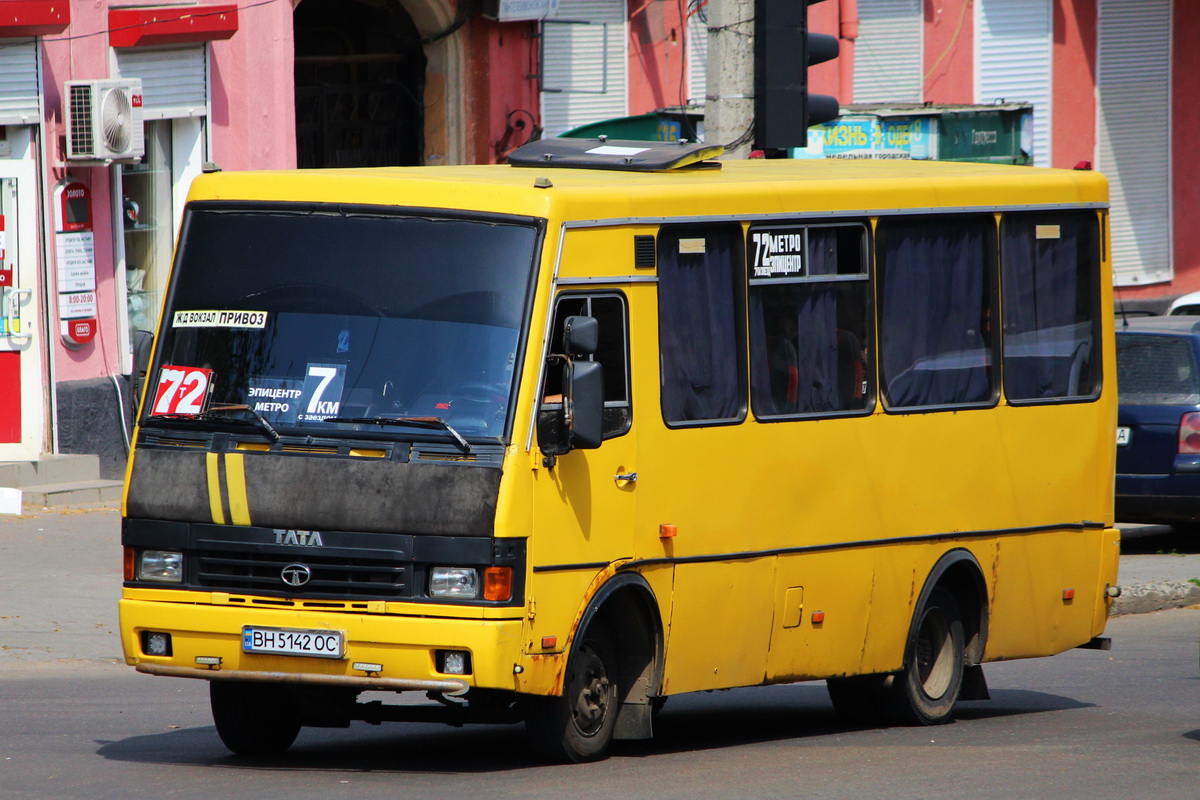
<point x="554" y="440"/>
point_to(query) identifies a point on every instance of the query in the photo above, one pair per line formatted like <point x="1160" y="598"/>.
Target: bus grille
<point x="233" y="570"/>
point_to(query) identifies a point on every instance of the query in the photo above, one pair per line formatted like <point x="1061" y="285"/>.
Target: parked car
<point x="1158" y="421"/>
<point x="1185" y="305"/>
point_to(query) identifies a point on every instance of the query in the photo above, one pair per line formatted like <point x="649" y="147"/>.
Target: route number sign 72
<point x="181" y="390"/>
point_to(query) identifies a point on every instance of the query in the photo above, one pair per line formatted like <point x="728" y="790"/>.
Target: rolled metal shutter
<point x="19" y="82"/>
<point x="1134" y="136"/>
<point x="887" y="53"/>
<point x="697" y="52"/>
<point x="584" y="62"/>
<point x="174" y="80"/>
<point x="1013" y="55"/>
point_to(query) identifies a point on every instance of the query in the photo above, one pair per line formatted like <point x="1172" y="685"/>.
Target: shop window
<point x="1050" y="267"/>
<point x="148" y="216"/>
<point x="701" y="279"/>
<point x="809" y="311"/>
<point x="937" y="297"/>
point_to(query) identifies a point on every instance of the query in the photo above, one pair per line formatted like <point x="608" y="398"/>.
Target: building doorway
<point x="360" y="81"/>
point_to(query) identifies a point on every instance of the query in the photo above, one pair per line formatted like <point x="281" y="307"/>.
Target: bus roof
<point x="738" y="187"/>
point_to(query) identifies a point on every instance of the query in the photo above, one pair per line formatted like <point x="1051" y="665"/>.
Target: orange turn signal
<point x="1068" y="595"/>
<point x="667" y="531"/>
<point x="130" y="563"/>
<point x="497" y="583"/>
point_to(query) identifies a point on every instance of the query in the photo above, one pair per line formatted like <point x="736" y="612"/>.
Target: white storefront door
<point x="22" y="380"/>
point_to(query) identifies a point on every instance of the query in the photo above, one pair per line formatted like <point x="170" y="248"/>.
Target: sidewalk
<point x="1160" y="569"/>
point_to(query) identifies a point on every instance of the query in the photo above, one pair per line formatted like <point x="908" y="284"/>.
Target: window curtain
<point x="794" y="338"/>
<point x="1048" y="314"/>
<point x="935" y="316"/>
<point x="698" y="296"/>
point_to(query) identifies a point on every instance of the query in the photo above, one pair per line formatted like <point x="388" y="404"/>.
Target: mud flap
<point x="633" y="722"/>
<point x="974" y="685"/>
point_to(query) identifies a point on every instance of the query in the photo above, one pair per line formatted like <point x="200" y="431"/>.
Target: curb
<point x="1149" y="597"/>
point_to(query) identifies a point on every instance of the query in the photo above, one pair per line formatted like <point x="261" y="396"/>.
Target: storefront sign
<point x="848" y="137"/>
<point x="74" y="247"/>
<point x="515" y="10"/>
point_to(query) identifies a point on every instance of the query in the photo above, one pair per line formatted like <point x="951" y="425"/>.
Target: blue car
<point x="1158" y="421"/>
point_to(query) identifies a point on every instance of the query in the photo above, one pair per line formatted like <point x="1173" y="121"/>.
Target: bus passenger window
<point x="700" y="324"/>
<point x="612" y="352"/>
<point x="809" y="312"/>
<point x="1049" y="270"/>
<point x="937" y="294"/>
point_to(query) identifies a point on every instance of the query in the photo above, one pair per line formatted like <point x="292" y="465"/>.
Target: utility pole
<point x="729" y="105"/>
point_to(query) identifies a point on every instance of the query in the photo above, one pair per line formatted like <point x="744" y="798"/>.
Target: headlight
<point x="162" y="566"/>
<point x="459" y="583"/>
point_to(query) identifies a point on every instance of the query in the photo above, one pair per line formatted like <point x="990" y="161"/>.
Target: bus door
<point x="584" y="499"/>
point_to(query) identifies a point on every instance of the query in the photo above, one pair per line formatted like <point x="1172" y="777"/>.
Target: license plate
<point x="1122" y="437"/>
<point x="289" y="642"/>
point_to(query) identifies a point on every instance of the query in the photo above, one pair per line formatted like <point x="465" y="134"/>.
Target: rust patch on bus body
<point x="545" y="673"/>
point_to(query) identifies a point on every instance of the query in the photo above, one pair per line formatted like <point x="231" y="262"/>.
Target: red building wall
<point x="1074" y="83"/>
<point x="657" y="55"/>
<point x="508" y="89"/>
<point x="949" y="52"/>
<point x="1185" y="122"/>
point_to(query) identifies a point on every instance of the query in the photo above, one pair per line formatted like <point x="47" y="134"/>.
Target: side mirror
<point x="581" y="335"/>
<point x="584" y="404"/>
<point x="578" y="423"/>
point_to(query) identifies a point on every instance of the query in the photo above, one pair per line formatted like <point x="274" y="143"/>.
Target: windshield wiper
<point x="216" y="411"/>
<point x="423" y="422"/>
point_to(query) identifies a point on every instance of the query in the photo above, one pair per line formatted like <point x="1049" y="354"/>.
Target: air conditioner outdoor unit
<point x="104" y="120"/>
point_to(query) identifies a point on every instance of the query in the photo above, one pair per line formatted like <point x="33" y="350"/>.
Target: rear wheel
<point x="925" y="691"/>
<point x="254" y="719"/>
<point x="578" y="726"/>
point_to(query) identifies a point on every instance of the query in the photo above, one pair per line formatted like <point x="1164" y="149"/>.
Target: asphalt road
<point x="80" y="724"/>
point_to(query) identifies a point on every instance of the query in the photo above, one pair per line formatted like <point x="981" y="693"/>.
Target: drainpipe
<point x="847" y="33"/>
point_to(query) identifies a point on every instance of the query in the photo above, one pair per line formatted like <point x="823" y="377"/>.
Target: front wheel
<point x="254" y="719"/>
<point x="578" y="726"/>
<point x="925" y="691"/>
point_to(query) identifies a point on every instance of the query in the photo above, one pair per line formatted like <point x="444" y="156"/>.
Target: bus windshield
<point x="325" y="320"/>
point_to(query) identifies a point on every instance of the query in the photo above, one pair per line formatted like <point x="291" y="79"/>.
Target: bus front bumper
<point x="387" y="652"/>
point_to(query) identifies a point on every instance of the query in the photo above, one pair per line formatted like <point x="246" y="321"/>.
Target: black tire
<point x="925" y="691"/>
<point x="578" y="726"/>
<point x="858" y="700"/>
<point x="254" y="719"/>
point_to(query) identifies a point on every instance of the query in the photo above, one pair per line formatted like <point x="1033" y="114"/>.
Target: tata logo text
<point x="301" y="538"/>
<point x="296" y="575"/>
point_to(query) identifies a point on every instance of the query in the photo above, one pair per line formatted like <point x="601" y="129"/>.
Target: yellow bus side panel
<point x="720" y="625"/>
<point x="823" y="602"/>
<point x="1048" y="598"/>
<point x="603" y="253"/>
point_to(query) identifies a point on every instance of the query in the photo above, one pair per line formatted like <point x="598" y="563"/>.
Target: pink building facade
<point x="267" y="84"/>
<point x="88" y="225"/>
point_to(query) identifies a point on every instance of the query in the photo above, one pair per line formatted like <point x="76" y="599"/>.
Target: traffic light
<point x="783" y="52"/>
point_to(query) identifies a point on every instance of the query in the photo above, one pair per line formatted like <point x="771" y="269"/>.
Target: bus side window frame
<point x="1050" y="226"/>
<point x="864" y="336"/>
<point x="615" y="424"/>
<point x="984" y="330"/>
<point x="690" y="240"/>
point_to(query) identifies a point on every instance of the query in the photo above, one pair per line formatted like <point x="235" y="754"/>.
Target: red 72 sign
<point x="181" y="390"/>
